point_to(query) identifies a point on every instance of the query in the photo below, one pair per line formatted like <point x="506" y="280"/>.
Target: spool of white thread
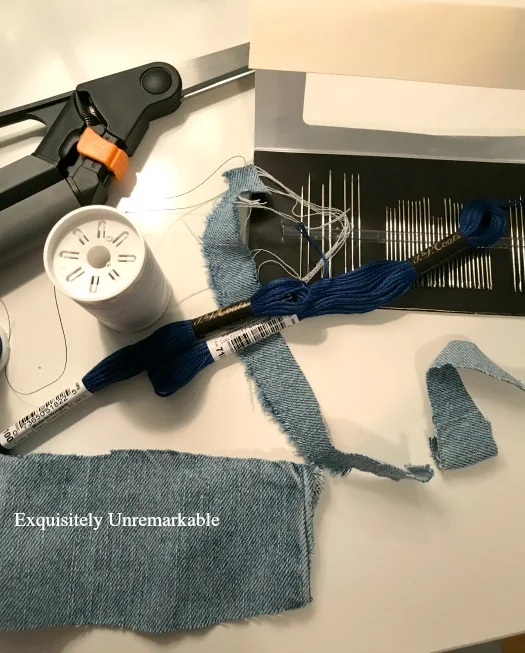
<point x="96" y="256"/>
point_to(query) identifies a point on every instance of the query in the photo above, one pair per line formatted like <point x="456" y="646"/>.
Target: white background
<point x="398" y="568"/>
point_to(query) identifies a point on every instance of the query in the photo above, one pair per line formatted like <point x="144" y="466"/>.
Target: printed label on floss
<point x="438" y="253"/>
<point x="252" y="332"/>
<point x="46" y="413"/>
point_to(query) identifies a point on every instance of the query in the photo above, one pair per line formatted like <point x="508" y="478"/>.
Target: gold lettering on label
<point x="437" y="247"/>
<point x="220" y="312"/>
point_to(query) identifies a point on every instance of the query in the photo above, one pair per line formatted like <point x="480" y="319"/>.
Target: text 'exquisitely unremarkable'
<point x="114" y="520"/>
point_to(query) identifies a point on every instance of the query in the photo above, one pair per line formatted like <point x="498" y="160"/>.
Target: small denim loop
<point x="463" y="436"/>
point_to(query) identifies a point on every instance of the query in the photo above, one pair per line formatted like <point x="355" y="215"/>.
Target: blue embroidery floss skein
<point x="175" y="353"/>
<point x="369" y="287"/>
<point x="362" y="290"/>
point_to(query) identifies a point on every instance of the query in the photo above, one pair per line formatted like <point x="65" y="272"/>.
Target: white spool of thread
<point x="96" y="256"/>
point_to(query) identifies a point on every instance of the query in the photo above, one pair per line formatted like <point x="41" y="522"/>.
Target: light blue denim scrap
<point x="462" y="435"/>
<point x="282" y="388"/>
<point x="154" y="579"/>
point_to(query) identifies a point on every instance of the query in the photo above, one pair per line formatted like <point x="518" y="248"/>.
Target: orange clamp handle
<point x="95" y="147"/>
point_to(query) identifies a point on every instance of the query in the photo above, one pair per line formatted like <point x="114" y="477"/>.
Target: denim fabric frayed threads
<point x="463" y="436"/>
<point x="154" y="579"/>
<point x="270" y="363"/>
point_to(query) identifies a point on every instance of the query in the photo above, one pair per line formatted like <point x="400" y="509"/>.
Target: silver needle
<point x="414" y="231"/>
<point x="422" y="280"/>
<point x="483" y="268"/>
<point x="522" y="236"/>
<point x="468" y="254"/>
<point x="479" y="283"/>
<point x="414" y="234"/>
<point x="432" y="240"/>
<point x="399" y="241"/>
<point x="435" y="223"/>
<point x="394" y="232"/>
<point x="352" y="214"/>
<point x="426" y="277"/>
<point x="359" y="217"/>
<point x="441" y="269"/>
<point x="322" y="226"/>
<point x="428" y="239"/>
<point x="443" y="235"/>
<point x="392" y="214"/>
<point x="398" y="229"/>
<point x="460" y="270"/>
<point x="512" y="246"/>
<point x="461" y="259"/>
<point x="387" y="231"/>
<point x="489" y="265"/>
<point x="465" y="256"/>
<point x="396" y="237"/>
<point x="469" y="257"/>
<point x="448" y="230"/>
<point x="518" y="257"/>
<point x="404" y="233"/>
<point x="308" y="223"/>
<point x="432" y="221"/>
<point x="330" y="222"/>
<point x="454" y="262"/>
<point x="486" y="264"/>
<point x="344" y="209"/>
<point x="413" y="250"/>
<point x="473" y="257"/>
<point x="301" y="239"/>
<point x="413" y="228"/>
<point x="409" y="229"/>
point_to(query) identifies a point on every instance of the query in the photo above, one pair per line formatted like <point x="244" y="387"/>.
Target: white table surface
<point x="398" y="567"/>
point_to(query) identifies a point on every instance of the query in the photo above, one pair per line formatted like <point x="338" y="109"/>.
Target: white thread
<point x="96" y="256"/>
<point x="276" y="261"/>
<point x="332" y="216"/>
<point x="187" y="192"/>
<point x="178" y="208"/>
<point x="19" y="393"/>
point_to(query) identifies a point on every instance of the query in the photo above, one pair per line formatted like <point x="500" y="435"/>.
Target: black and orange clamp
<point x="91" y="133"/>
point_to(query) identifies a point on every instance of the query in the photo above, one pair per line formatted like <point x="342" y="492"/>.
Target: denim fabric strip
<point x="282" y="387"/>
<point x="151" y="578"/>
<point x="462" y="435"/>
